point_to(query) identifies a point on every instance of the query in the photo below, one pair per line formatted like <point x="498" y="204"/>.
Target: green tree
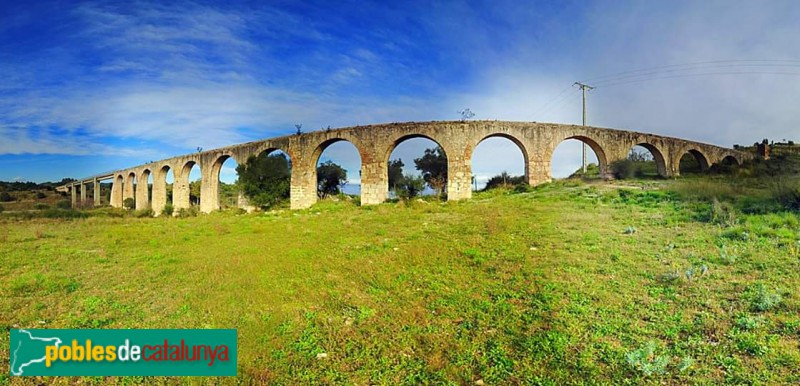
<point x="433" y="165"/>
<point x="504" y="180"/>
<point x="330" y="179"/>
<point x="129" y="203"/>
<point x="395" y="173"/>
<point x="194" y="192"/>
<point x="409" y="187"/>
<point x="6" y="197"/>
<point x="265" y="179"/>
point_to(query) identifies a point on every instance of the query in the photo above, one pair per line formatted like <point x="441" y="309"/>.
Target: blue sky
<point x="89" y="87"/>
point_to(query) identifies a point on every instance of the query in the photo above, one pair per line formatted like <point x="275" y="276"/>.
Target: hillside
<point x="626" y="282"/>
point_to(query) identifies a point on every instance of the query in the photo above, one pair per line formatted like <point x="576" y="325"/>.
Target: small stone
<point x="395" y="249"/>
<point x="534" y="249"/>
<point x="479" y="382"/>
<point x="322" y="355"/>
<point x="348" y="321"/>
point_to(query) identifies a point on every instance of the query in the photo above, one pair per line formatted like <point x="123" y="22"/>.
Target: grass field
<point x="570" y="283"/>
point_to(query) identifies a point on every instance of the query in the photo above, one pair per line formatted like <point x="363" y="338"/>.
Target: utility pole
<point x="583" y="88"/>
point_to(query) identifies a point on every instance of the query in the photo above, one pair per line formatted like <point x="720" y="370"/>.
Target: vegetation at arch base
<point x="155" y="352"/>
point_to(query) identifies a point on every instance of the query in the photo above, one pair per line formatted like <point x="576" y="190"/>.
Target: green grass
<point x="570" y="283"/>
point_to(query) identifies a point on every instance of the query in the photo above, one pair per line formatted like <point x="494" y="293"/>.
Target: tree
<point x="129" y="203"/>
<point x="265" y="179"/>
<point x="433" y="166"/>
<point x="409" y="187"/>
<point x="194" y="192"/>
<point x="504" y="180"/>
<point x="6" y="197"/>
<point x="330" y="179"/>
<point x="395" y="173"/>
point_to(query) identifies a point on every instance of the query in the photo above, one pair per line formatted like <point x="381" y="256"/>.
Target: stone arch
<point x="397" y="141"/>
<point x="129" y="187"/>
<point x="698" y="156"/>
<point x="593" y="144"/>
<point x="160" y="193"/>
<point x="209" y="200"/>
<point x="143" y="190"/>
<point x="117" y="186"/>
<point x="315" y="156"/>
<point x="180" y="188"/>
<point x="658" y="157"/>
<point x="525" y="158"/>
<point x="730" y="160"/>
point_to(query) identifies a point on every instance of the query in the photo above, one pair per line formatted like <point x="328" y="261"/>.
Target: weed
<point x="646" y="361"/>
<point x="761" y="298"/>
<point x="168" y="209"/>
<point x="748" y="322"/>
<point x="629" y="230"/>
<point x="722" y="213"/>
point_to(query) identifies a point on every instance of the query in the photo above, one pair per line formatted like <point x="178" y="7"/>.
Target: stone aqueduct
<point x="375" y="143"/>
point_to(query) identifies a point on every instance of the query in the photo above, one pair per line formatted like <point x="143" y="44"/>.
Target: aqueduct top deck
<point x="375" y="143"/>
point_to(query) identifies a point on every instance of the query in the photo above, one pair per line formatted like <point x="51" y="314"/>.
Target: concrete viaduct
<point x="375" y="143"/>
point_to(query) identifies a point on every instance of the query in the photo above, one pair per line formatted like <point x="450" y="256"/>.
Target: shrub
<point x="722" y="213"/>
<point x="6" y="197"/>
<point x="646" y="361"/>
<point x="2" y="208"/>
<point x="41" y="206"/>
<point x="64" y="204"/>
<point x="786" y="193"/>
<point x="761" y="299"/>
<point x="40" y="195"/>
<point x="188" y="212"/>
<point x="143" y="213"/>
<point x="168" y="209"/>
<point x="129" y="203"/>
<point x="63" y="213"/>
<point x="623" y="169"/>
<point x="523" y="188"/>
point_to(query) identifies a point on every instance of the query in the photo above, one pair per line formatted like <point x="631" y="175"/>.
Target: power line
<point x="699" y="65"/>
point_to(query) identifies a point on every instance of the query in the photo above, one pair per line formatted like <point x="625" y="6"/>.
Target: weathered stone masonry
<point x="375" y="143"/>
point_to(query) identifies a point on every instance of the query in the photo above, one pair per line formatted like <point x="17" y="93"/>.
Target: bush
<point x="6" y="197"/>
<point x="188" y="212"/>
<point x="786" y="193"/>
<point x="129" y="203"/>
<point x="2" y="208"/>
<point x="40" y="195"/>
<point x="143" y="213"/>
<point x="63" y="213"/>
<point x="722" y="213"/>
<point x="41" y="206"/>
<point x="168" y="209"/>
<point x="64" y="204"/>
<point x="624" y="169"/>
<point x="761" y="299"/>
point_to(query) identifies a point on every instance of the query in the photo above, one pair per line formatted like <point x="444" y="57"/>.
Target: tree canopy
<point x="395" y="173"/>
<point x="265" y="179"/>
<point x="331" y="178"/>
<point x="433" y="165"/>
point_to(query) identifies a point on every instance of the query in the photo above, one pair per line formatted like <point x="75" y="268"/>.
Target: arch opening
<point x="566" y="160"/>
<point x="727" y="164"/>
<point x="129" y="191"/>
<point x="337" y="168"/>
<point x="692" y="162"/>
<point x="498" y="161"/>
<point x="226" y="178"/>
<point x="644" y="160"/>
<point x="265" y="179"/>
<point x="416" y="166"/>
